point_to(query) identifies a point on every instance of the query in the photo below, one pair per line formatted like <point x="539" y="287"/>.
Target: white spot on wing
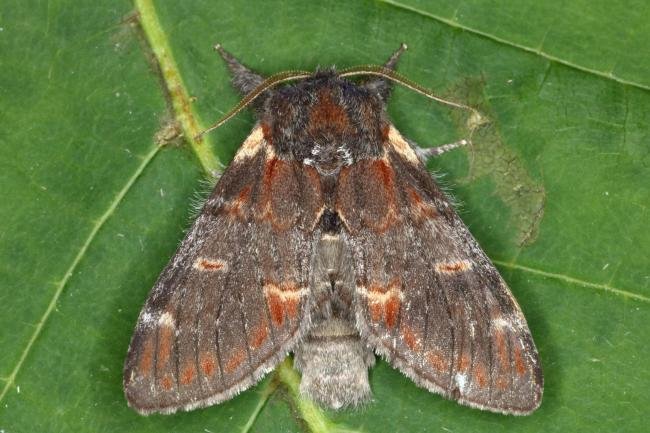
<point x="400" y="145"/>
<point x="284" y="294"/>
<point x="166" y="320"/>
<point x="379" y="297"/>
<point x="147" y="318"/>
<point x="251" y="145"/>
<point x="460" y="379"/>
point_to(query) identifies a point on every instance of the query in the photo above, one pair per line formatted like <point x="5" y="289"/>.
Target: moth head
<point x="258" y="90"/>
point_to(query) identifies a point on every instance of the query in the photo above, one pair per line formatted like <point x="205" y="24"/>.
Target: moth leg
<point x="425" y="153"/>
<point x="381" y="85"/>
<point x="243" y="79"/>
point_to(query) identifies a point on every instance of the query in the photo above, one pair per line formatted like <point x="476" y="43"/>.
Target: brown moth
<point x="327" y="237"/>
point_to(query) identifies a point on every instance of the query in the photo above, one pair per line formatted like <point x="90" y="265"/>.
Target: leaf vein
<point x="73" y="266"/>
<point x="576" y="281"/>
<point x="538" y="51"/>
<point x="174" y="87"/>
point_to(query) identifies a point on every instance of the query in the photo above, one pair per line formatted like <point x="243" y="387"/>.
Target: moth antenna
<point x="267" y="84"/>
<point x="382" y="71"/>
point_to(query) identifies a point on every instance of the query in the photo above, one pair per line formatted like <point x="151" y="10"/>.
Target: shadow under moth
<point x="327" y="237"/>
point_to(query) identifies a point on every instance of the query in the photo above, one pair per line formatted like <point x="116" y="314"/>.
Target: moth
<point x="327" y="237"/>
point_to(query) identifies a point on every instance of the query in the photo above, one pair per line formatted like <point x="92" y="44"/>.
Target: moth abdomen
<point x="334" y="363"/>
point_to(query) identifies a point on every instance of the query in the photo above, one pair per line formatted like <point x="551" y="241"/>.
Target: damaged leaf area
<point x="490" y="157"/>
<point x="102" y="101"/>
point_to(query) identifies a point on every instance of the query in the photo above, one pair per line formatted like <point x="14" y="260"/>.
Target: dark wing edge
<point x="233" y="300"/>
<point x="428" y="299"/>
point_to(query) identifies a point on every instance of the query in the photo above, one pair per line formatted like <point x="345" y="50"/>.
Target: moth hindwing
<point x="327" y="237"/>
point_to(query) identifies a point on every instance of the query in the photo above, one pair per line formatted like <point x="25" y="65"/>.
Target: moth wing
<point x="427" y="298"/>
<point x="233" y="300"/>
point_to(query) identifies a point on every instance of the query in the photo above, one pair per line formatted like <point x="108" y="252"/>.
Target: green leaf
<point x="97" y="191"/>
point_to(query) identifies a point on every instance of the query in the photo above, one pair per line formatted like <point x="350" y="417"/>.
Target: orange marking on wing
<point x="204" y="264"/>
<point x="328" y="115"/>
<point x="502" y="383"/>
<point x="420" y="209"/>
<point x="385" y="173"/>
<point x="146" y="357"/>
<point x="520" y="366"/>
<point x="391" y="310"/>
<point x="236" y="206"/>
<point x="463" y="363"/>
<point x="259" y="336"/>
<point x="453" y="267"/>
<point x="385" y="131"/>
<point x="235" y="361"/>
<point x="267" y="132"/>
<point x="277" y="175"/>
<point x="166" y="382"/>
<point x="376" y="311"/>
<point x="165" y="344"/>
<point x="437" y="361"/>
<point x="383" y="301"/>
<point x="480" y="376"/>
<point x="207" y="363"/>
<point x="283" y="299"/>
<point x="275" y="306"/>
<point x="410" y="339"/>
<point x="188" y="374"/>
<point x="501" y="348"/>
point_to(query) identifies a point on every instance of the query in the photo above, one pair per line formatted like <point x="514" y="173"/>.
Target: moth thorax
<point x="334" y="364"/>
